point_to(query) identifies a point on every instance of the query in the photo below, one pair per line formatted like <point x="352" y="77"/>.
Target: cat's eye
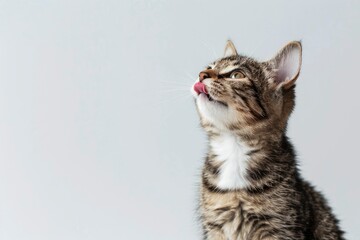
<point x="237" y="75"/>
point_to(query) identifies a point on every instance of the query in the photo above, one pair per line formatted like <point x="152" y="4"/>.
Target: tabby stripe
<point x="243" y="98"/>
<point x="211" y="168"/>
<point x="212" y="188"/>
<point x="257" y="174"/>
<point x="261" y="170"/>
<point x="265" y="114"/>
<point x="239" y="92"/>
<point x="266" y="187"/>
<point x="242" y="219"/>
<point x="258" y="116"/>
<point x="213" y="225"/>
<point x="219" y="86"/>
<point x="257" y="228"/>
<point x="222" y="209"/>
<point x="247" y="69"/>
<point x="251" y="152"/>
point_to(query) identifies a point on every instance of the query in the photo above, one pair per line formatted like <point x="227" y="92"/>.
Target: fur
<point x="251" y="186"/>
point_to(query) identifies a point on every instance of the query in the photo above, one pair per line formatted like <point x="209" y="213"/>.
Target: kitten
<point x="251" y="187"/>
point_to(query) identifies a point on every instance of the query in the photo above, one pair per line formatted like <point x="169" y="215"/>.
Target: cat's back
<point x="322" y="222"/>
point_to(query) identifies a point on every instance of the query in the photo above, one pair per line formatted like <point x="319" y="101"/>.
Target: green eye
<point x="237" y="75"/>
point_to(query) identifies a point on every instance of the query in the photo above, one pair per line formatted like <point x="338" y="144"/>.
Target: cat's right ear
<point x="230" y="49"/>
<point x="287" y="65"/>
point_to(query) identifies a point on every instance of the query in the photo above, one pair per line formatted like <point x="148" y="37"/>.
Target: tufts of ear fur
<point x="230" y="49"/>
<point x="287" y="64"/>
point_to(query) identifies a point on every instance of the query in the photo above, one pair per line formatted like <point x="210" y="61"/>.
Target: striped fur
<point x="251" y="187"/>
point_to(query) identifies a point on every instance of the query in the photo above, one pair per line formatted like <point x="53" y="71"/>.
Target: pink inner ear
<point x="199" y="87"/>
<point x="289" y="66"/>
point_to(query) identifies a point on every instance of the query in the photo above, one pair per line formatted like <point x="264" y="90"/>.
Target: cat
<point x="251" y="187"/>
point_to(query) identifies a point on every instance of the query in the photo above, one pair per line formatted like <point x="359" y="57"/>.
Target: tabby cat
<point x="251" y="187"/>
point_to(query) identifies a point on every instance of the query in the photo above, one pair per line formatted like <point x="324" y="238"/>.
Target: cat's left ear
<point x="230" y="49"/>
<point x="287" y="65"/>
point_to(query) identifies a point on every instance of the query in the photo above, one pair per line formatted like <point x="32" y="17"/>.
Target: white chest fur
<point x="232" y="153"/>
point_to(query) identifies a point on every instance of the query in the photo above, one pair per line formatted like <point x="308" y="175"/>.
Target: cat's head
<point x="239" y="93"/>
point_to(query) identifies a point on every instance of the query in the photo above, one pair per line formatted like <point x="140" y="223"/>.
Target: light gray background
<point x="99" y="138"/>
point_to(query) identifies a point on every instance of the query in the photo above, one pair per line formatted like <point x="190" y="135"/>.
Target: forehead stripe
<point x="227" y="69"/>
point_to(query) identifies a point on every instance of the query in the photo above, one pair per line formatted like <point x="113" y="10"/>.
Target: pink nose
<point x="199" y="87"/>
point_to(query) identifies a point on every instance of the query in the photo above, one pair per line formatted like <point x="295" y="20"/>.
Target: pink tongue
<point x="199" y="87"/>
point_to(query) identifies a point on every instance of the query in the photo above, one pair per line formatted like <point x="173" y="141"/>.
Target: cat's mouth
<point x="200" y="89"/>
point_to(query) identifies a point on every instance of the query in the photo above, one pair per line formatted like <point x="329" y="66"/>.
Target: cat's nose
<point x="203" y="75"/>
<point x="207" y="74"/>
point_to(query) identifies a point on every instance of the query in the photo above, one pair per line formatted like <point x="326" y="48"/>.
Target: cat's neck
<point x="231" y="153"/>
<point x="262" y="138"/>
<point x="237" y="157"/>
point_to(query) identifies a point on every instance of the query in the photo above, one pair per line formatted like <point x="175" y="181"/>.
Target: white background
<point x="99" y="137"/>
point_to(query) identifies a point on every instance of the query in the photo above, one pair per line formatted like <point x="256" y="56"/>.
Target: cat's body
<point x="251" y="187"/>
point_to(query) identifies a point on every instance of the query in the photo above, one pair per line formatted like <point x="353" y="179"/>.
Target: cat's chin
<point x="207" y="98"/>
<point x="213" y="111"/>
